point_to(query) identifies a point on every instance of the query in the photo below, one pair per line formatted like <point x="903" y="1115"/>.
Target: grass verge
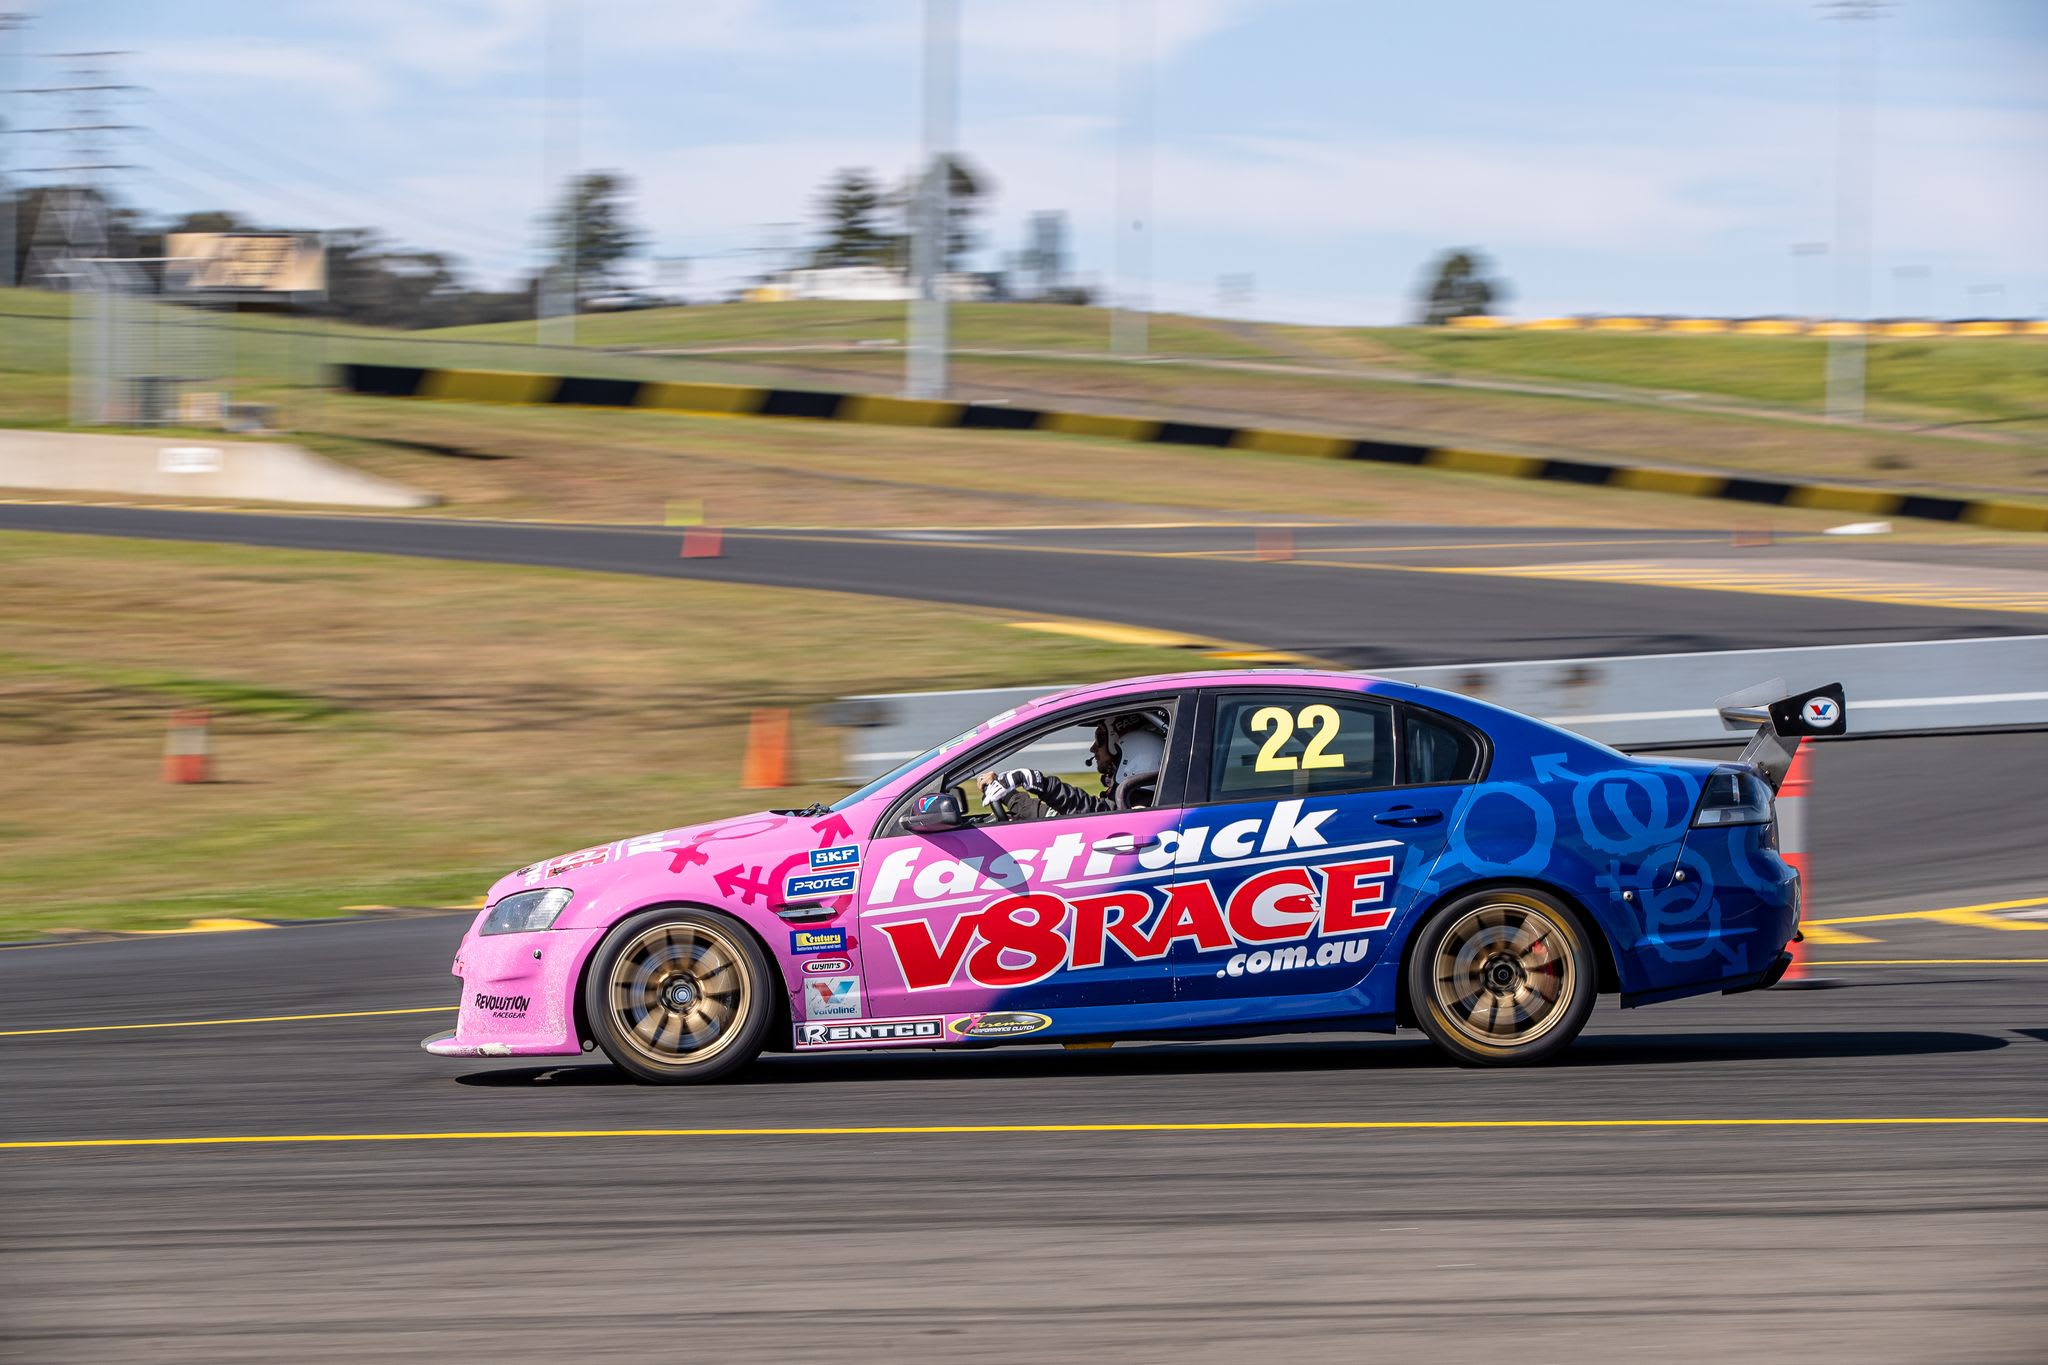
<point x="389" y="731"/>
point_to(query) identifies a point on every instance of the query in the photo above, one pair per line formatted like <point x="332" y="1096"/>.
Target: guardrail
<point x="1629" y="701"/>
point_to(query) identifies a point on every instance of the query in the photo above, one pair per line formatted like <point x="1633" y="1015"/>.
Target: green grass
<point x="1021" y="326"/>
<point x="1942" y="379"/>
<point x="391" y="731"/>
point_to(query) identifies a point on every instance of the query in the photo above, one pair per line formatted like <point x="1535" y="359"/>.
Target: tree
<point x="850" y="205"/>
<point x="1459" y="288"/>
<point x="965" y="189"/>
<point x="588" y="235"/>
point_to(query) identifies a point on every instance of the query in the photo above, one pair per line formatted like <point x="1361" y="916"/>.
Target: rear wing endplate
<point x="1781" y="721"/>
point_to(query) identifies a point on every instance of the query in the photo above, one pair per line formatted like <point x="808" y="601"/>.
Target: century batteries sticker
<point x="998" y="1024"/>
<point x="832" y="940"/>
<point x="832" y="997"/>
<point x="869" y="1033"/>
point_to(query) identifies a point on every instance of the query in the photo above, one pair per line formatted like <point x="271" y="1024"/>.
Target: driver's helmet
<point x="1136" y="744"/>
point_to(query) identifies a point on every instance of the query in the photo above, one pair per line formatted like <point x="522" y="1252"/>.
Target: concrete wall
<point x="74" y="461"/>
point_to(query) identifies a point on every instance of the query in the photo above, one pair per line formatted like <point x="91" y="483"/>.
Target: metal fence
<point x="1630" y="701"/>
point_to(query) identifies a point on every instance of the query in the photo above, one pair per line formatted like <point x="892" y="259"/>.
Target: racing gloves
<point x="1061" y="797"/>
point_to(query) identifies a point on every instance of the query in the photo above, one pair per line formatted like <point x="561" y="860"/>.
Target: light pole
<point x="925" y="362"/>
<point x="1852" y="210"/>
<point x="10" y="77"/>
<point x="1130" y="299"/>
<point x="559" y="285"/>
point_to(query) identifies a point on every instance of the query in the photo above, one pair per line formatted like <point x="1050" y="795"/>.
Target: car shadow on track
<point x="1374" y="1053"/>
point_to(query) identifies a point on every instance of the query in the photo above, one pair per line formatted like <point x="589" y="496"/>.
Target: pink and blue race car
<point x="1269" y="851"/>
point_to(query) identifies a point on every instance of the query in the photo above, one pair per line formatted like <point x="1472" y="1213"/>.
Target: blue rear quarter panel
<point x="1682" y="910"/>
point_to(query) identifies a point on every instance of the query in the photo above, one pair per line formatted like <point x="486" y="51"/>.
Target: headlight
<point x="524" y="911"/>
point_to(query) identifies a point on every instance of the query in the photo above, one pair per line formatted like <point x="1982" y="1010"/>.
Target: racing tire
<point x="1504" y="977"/>
<point x="680" y="996"/>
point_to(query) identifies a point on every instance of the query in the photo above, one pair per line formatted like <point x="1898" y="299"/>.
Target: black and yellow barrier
<point x="740" y="400"/>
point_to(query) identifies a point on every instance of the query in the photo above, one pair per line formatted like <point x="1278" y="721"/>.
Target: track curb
<point x="740" y="400"/>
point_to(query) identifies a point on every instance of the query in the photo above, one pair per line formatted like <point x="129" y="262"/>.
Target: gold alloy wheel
<point x="1505" y="973"/>
<point x="679" y="993"/>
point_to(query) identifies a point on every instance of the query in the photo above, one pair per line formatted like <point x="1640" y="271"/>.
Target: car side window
<point x="1063" y="751"/>
<point x="1272" y="745"/>
<point x="1435" y="750"/>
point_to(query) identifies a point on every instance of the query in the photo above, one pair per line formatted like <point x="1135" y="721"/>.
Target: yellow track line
<point x="210" y="1023"/>
<point x="976" y="1129"/>
<point x="1985" y="908"/>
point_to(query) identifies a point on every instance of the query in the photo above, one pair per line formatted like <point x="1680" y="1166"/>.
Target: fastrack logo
<point x="1023" y="939"/>
<point x="503" y="1004"/>
<point x="900" y="877"/>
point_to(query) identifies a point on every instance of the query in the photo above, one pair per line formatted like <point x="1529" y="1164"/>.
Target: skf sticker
<point x="1003" y="1024"/>
<point x="810" y="886"/>
<point x="826" y="966"/>
<point x="845" y="855"/>
<point x="831" y="940"/>
<point x="832" y="997"/>
<point x="869" y="1033"/>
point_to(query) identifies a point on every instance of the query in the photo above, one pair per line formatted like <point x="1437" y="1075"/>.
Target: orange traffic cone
<point x="1792" y="846"/>
<point x="703" y="542"/>
<point x="767" y="762"/>
<point x="188" y="749"/>
<point x="1274" y="544"/>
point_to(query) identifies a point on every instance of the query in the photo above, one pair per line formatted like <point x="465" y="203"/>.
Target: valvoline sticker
<point x="830" y="940"/>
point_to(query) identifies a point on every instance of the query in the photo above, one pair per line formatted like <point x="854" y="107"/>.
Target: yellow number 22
<point x="1283" y="723"/>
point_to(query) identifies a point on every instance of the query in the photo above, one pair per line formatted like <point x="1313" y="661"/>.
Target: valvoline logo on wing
<point x="829" y="940"/>
<point x="1822" y="712"/>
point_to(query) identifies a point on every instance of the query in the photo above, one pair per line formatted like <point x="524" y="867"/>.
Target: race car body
<point x="1314" y="851"/>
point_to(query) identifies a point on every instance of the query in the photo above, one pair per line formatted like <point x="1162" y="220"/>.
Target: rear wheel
<point x="1502" y="977"/>
<point x="679" y="995"/>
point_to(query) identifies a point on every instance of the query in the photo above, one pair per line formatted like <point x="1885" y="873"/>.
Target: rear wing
<point x="1782" y="721"/>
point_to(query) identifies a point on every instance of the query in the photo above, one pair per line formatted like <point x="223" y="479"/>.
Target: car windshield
<point x="854" y="798"/>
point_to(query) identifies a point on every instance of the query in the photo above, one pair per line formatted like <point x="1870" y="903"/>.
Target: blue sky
<point x="1608" y="155"/>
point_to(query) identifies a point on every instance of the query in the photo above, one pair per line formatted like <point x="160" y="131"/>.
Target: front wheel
<point x="679" y="995"/>
<point x="1502" y="978"/>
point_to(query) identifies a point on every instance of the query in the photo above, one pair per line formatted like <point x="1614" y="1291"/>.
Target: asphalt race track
<point x="1789" y="1175"/>
<point x="1361" y="615"/>
<point x="1692" y="1233"/>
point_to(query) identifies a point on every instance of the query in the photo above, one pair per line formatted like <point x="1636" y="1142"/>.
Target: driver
<point x="1128" y="745"/>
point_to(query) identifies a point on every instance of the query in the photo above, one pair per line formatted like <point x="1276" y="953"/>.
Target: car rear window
<point x="1271" y="745"/>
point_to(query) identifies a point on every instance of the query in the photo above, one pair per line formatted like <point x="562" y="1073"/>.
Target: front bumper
<point x="518" y="995"/>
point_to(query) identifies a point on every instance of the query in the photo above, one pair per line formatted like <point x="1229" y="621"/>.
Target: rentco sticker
<point x="810" y="886"/>
<point x="845" y="855"/>
<point x="831" y="940"/>
<point x="1821" y="712"/>
<point x="869" y="1033"/>
<point x="832" y="997"/>
<point x="826" y="966"/>
<point x="1004" y="1024"/>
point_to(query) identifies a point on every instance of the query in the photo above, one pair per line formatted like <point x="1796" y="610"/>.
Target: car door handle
<point x="1125" y="843"/>
<point x="1409" y="816"/>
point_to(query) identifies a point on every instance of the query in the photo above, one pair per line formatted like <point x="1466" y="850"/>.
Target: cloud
<point x="213" y="69"/>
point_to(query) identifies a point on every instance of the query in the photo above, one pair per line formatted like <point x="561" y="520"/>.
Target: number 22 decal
<point x="1283" y="723"/>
